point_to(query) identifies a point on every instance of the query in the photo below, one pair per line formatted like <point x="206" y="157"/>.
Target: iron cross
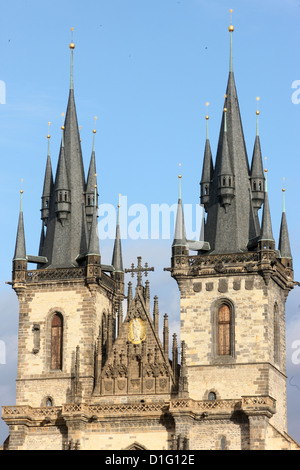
<point x="139" y="270"/>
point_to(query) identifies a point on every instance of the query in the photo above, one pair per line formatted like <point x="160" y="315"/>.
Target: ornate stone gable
<point x="137" y="363"/>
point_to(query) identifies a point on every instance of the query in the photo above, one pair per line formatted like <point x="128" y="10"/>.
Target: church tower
<point x="91" y="377"/>
<point x="232" y="298"/>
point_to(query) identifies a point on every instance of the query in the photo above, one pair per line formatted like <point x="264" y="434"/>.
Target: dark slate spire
<point x="66" y="238"/>
<point x="228" y="231"/>
<point x="48" y="186"/>
<point x="89" y="190"/>
<point x="225" y="175"/>
<point x="284" y="239"/>
<point x="266" y="225"/>
<point x="117" y="260"/>
<point x="20" y="247"/>
<point x="207" y="169"/>
<point x="257" y="174"/>
<point x="180" y="234"/>
<point x="93" y="248"/>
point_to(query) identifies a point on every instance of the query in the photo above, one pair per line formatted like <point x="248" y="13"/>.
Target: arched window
<point x="56" y="342"/>
<point x="224" y="327"/>
<point x="49" y="402"/>
<point x="254" y="185"/>
<point x="104" y="331"/>
<point x="212" y="396"/>
<point x="223" y="443"/>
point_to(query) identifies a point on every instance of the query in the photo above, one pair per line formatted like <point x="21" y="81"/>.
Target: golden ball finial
<point x="225" y="110"/>
<point x="257" y="113"/>
<point x="207" y="104"/>
<point x="72" y="45"/>
<point x="94" y="131"/>
<point x="231" y="28"/>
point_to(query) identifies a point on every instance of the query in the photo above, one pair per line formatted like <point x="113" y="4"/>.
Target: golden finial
<point x="72" y="45"/>
<point x="207" y="104"/>
<point x="283" y="189"/>
<point x="266" y="171"/>
<point x="119" y="205"/>
<point x="21" y="190"/>
<point x="48" y="135"/>
<point x="94" y="130"/>
<point x="257" y="99"/>
<point x="179" y="176"/>
<point x="231" y="28"/>
<point x="62" y="127"/>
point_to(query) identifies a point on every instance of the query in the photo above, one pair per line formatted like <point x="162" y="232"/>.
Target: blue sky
<point x="145" y="68"/>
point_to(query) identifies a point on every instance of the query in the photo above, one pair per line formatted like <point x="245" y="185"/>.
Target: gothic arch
<point x="223" y="330"/>
<point x="55" y="339"/>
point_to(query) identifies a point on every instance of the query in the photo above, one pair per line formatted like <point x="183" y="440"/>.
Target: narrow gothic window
<point x="212" y="396"/>
<point x="56" y="342"/>
<point x="223" y="443"/>
<point x="49" y="402"/>
<point x="224" y="330"/>
<point x="254" y="186"/>
<point x="206" y="190"/>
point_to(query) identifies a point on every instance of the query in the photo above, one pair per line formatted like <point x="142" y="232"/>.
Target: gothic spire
<point x="117" y="260"/>
<point x="227" y="226"/>
<point x="48" y="185"/>
<point x="93" y="248"/>
<point x="284" y="240"/>
<point x="180" y="234"/>
<point x="66" y="237"/>
<point x="207" y="169"/>
<point x="89" y="189"/>
<point x="20" y="247"/>
<point x="266" y="225"/>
